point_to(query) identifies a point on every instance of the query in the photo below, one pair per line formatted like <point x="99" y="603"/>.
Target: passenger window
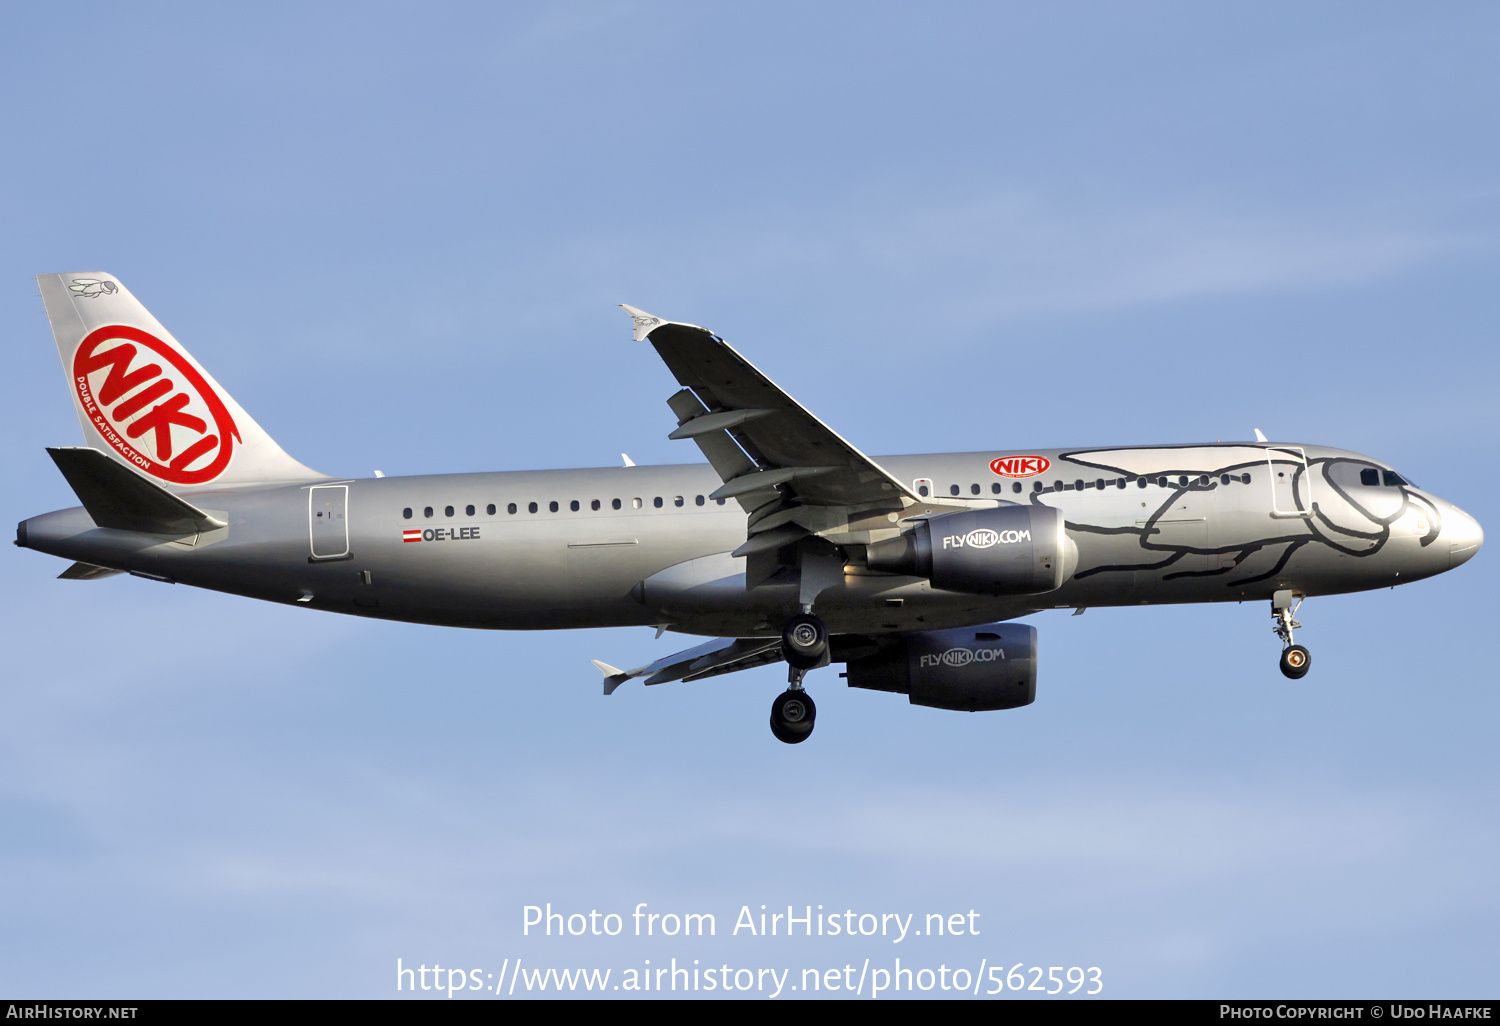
<point x="996" y="487"/>
<point x="1078" y="486"/>
<point x="510" y="507"/>
<point x="1224" y="479"/>
<point x="636" y="503"/>
<point x="721" y="502"/>
<point x="427" y="511"/>
<point x="447" y="511"/>
<point x="552" y="506"/>
<point x="700" y="500"/>
<point x="573" y="505"/>
<point x="656" y="502"/>
<point x="490" y="509"/>
<point x="677" y="500"/>
<point x="922" y="491"/>
<point x="531" y="507"/>
<point x="1245" y="478"/>
<point x="1036" y="486"/>
<point x="594" y="504"/>
<point x="1203" y="481"/>
<point x="406" y="513"/>
<point x="1099" y="484"/>
<point x="1057" y="485"/>
<point x="1016" y="487"/>
<point x="953" y="489"/>
<point x="1182" y="481"/>
<point x="1141" y="482"/>
<point x="974" y="489"/>
<point x="1121" y="482"/>
<point x="614" y="504"/>
<point x="468" y="511"/>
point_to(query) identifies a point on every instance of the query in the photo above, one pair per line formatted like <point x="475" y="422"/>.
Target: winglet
<point x="1260" y="437"/>
<point x="644" y="323"/>
<point x="613" y="676"/>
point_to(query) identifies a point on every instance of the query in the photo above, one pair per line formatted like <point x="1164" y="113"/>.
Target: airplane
<point x="790" y="545"/>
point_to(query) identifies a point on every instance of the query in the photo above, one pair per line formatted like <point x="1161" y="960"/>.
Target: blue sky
<point x="397" y="235"/>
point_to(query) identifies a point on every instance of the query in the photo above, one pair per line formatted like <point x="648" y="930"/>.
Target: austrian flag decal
<point x="411" y="536"/>
<point x="152" y="406"/>
<point x="1020" y="466"/>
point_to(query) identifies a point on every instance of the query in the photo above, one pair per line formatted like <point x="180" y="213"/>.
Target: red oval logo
<point x="169" y="423"/>
<point x="1020" y="466"/>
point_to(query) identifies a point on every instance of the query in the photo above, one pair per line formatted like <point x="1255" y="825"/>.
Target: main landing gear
<point x="804" y="644"/>
<point x="1295" y="660"/>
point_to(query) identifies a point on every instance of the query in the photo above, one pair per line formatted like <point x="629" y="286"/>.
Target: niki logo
<point x="173" y="427"/>
<point x="92" y="288"/>
<point x="1020" y="466"/>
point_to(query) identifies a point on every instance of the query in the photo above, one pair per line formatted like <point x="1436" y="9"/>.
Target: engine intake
<point x="1009" y="550"/>
<point x="969" y="669"/>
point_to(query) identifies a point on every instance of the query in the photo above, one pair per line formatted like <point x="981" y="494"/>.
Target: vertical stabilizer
<point x="145" y="401"/>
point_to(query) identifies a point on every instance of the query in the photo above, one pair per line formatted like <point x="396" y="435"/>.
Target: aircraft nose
<point x="1464" y="535"/>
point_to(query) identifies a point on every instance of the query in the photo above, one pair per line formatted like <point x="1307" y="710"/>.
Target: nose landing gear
<point x="1295" y="660"/>
<point x="804" y="644"/>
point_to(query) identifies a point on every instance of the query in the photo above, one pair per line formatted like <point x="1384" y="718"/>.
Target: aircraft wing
<point x="722" y="655"/>
<point x="779" y="448"/>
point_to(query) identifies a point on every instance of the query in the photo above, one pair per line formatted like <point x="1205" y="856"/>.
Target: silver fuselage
<point x="1151" y="524"/>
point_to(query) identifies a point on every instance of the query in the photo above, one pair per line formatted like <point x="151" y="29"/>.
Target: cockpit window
<point x="1369" y="476"/>
<point x="1392" y="479"/>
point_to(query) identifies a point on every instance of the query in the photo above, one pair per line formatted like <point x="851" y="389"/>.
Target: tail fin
<point x="146" y="402"/>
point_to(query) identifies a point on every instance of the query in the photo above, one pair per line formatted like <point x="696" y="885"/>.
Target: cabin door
<point x="1291" y="482"/>
<point x="328" y="521"/>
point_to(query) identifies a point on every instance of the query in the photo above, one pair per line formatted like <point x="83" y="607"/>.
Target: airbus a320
<point x="788" y="545"/>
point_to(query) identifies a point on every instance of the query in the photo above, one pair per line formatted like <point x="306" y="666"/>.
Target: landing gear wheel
<point x="792" y="716"/>
<point x="1295" y="662"/>
<point x="804" y="642"/>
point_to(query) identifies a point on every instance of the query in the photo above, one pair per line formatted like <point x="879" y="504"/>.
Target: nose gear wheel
<point x="1295" y="662"/>
<point x="1295" y="659"/>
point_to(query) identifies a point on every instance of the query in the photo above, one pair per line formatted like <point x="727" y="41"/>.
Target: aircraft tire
<point x="804" y="642"/>
<point x="792" y="717"/>
<point x="1295" y="662"/>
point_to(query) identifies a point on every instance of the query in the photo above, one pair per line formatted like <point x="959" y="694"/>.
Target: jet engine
<point x="969" y="669"/>
<point x="1009" y="550"/>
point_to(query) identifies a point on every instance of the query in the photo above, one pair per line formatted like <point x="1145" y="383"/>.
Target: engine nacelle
<point x="1009" y="550"/>
<point x="969" y="669"/>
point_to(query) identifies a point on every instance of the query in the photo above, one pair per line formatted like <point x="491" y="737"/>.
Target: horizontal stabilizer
<point x="87" y="572"/>
<point x="117" y="497"/>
